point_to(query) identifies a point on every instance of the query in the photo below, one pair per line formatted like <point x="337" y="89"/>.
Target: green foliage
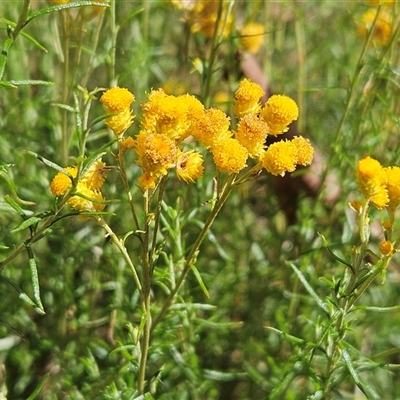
<point x="212" y="291"/>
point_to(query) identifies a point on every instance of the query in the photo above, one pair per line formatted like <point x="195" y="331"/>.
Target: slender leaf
<point x="35" y="279"/>
<point x="27" y="223"/>
<point x="309" y="289"/>
<point x="363" y="386"/>
<point x="200" y="281"/>
<point x="38" y="387"/>
<point x="60" y="7"/>
<point x="31" y="82"/>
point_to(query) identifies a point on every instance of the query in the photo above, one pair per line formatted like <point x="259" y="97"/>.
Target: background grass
<point x="221" y="347"/>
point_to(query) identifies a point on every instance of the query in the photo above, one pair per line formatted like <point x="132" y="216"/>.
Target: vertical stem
<point x="193" y="253"/>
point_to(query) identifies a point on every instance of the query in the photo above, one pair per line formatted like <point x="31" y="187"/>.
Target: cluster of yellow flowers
<point x="380" y="187"/>
<point x="169" y="126"/>
<point x="88" y="196"/>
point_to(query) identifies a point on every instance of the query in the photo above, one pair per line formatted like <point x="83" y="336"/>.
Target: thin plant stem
<point x="194" y="250"/>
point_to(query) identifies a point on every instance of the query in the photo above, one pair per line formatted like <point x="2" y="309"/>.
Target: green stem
<point x="121" y="247"/>
<point x="230" y="184"/>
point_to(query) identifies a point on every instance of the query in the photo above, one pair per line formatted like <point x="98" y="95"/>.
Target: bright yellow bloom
<point x="121" y="122"/>
<point x="95" y="175"/>
<point x="393" y="186"/>
<point x="251" y="133"/>
<point x="377" y="2"/>
<point x="387" y="248"/>
<point x="305" y="151"/>
<point x="61" y="182"/>
<point x="116" y="100"/>
<point x="203" y="18"/>
<point x="229" y="156"/>
<point x="84" y="204"/>
<point x="279" y="112"/>
<point x="189" y="166"/>
<point x="279" y="158"/>
<point x="147" y="181"/>
<point x="252" y="37"/>
<point x="382" y="29"/>
<point x="370" y="178"/>
<point x="247" y="98"/>
<point x="170" y="115"/>
<point x="156" y="152"/>
<point x="212" y="126"/>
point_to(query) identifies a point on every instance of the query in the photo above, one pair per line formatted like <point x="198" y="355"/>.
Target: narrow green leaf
<point x="31" y="82"/>
<point x="7" y="85"/>
<point x="309" y="289"/>
<point x="200" y="281"/>
<point x="363" y="386"/>
<point x="34" y="278"/>
<point x="76" y="4"/>
<point x="28" y="222"/>
<point x="49" y="163"/>
<point x="38" y="387"/>
<point x="11" y="185"/>
<point x="22" y="295"/>
<point x="64" y="107"/>
<point x="15" y="206"/>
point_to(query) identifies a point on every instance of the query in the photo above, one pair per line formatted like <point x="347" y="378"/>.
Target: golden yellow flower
<point x="393" y="186"/>
<point x="147" y="181"/>
<point x="279" y="112"/>
<point x="382" y="30"/>
<point x="189" y="166"/>
<point x="252" y="37"/>
<point x="279" y="158"/>
<point x="387" y="248"/>
<point x="203" y="18"/>
<point x="247" y="98"/>
<point x="377" y="2"/>
<point x="61" y="182"/>
<point x="229" y="156"/>
<point x="121" y="122"/>
<point x="370" y="178"/>
<point x="251" y="133"/>
<point x="116" y="100"/>
<point x="94" y="177"/>
<point x="156" y="152"/>
<point x="85" y="204"/>
<point x="305" y="151"/>
<point x="170" y="115"/>
<point x="211" y="126"/>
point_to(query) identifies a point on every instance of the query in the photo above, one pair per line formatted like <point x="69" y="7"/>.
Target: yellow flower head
<point x="212" y="126"/>
<point x="116" y="100"/>
<point x="370" y="177"/>
<point x="382" y="29"/>
<point x="251" y="133"/>
<point x="305" y="151"/>
<point x="279" y="158"/>
<point x="189" y="166"/>
<point x="393" y="186"/>
<point x="203" y="18"/>
<point x="247" y="98"/>
<point x="156" y="152"/>
<point x="61" y="182"/>
<point x="121" y="122"/>
<point x="170" y="115"/>
<point x="387" y="248"/>
<point x="95" y="175"/>
<point x="147" y="181"/>
<point x="252" y="37"/>
<point x="279" y="112"/>
<point x="84" y="204"/>
<point x="229" y="156"/>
